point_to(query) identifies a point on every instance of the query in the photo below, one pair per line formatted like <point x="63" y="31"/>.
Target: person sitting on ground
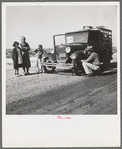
<point x="17" y="57"/>
<point x="38" y="57"/>
<point x="91" y="64"/>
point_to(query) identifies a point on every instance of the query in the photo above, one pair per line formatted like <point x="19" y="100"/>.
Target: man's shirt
<point x="93" y="58"/>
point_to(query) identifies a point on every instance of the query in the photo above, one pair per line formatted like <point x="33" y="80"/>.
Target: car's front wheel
<point x="77" y="67"/>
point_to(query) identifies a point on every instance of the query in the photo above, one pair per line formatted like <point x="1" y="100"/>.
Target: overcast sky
<point x="39" y="23"/>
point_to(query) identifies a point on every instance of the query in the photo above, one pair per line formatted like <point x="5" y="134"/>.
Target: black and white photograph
<point x="61" y="63"/>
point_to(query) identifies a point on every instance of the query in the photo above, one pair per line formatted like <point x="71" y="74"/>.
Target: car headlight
<point x="68" y="49"/>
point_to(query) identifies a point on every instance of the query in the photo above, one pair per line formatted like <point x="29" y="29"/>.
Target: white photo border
<point x="47" y="130"/>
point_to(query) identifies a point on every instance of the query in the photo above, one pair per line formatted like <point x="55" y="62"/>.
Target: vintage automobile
<point x="69" y="48"/>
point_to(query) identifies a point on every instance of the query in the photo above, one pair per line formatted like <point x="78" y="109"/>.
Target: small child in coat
<point x="17" y="57"/>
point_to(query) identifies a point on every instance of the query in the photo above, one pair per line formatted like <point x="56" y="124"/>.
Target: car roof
<point x="86" y="30"/>
<point x="81" y="31"/>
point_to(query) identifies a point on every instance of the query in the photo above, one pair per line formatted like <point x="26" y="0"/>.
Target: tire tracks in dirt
<point x="95" y="95"/>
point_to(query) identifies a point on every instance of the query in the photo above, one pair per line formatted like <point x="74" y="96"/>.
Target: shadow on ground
<point x="112" y="69"/>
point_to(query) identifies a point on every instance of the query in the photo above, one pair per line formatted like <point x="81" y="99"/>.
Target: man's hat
<point x="89" y="48"/>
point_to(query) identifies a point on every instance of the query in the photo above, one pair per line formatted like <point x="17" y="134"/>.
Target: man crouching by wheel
<point x="38" y="56"/>
<point x="91" y="64"/>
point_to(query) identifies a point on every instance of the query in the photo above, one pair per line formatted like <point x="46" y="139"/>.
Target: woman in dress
<point x="17" y="57"/>
<point x="25" y="55"/>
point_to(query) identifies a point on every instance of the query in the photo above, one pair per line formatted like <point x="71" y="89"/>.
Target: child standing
<point x="17" y="57"/>
<point x="38" y="56"/>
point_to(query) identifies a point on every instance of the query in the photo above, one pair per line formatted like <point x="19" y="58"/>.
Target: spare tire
<point x="48" y="69"/>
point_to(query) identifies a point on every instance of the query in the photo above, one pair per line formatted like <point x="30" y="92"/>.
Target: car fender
<point x="78" y="55"/>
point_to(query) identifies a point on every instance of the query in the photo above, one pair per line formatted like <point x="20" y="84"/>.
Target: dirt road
<point x="62" y="93"/>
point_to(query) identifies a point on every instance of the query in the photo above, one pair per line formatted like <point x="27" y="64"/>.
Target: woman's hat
<point x="15" y="43"/>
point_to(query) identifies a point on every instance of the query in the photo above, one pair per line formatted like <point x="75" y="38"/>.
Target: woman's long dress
<point x="25" y="54"/>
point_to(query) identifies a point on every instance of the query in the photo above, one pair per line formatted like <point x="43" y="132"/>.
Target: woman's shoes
<point x="17" y="74"/>
<point x="26" y="73"/>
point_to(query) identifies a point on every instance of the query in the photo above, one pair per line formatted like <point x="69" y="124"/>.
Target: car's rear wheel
<point x="107" y="59"/>
<point x="48" y="69"/>
<point x="106" y="62"/>
<point x="77" y="67"/>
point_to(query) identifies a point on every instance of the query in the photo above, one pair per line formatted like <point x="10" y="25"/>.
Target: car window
<point x="77" y="37"/>
<point x="59" y="40"/>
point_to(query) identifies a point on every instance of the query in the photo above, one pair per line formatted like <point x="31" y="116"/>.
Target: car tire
<point x="77" y="67"/>
<point x="48" y="69"/>
<point x="106" y="65"/>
